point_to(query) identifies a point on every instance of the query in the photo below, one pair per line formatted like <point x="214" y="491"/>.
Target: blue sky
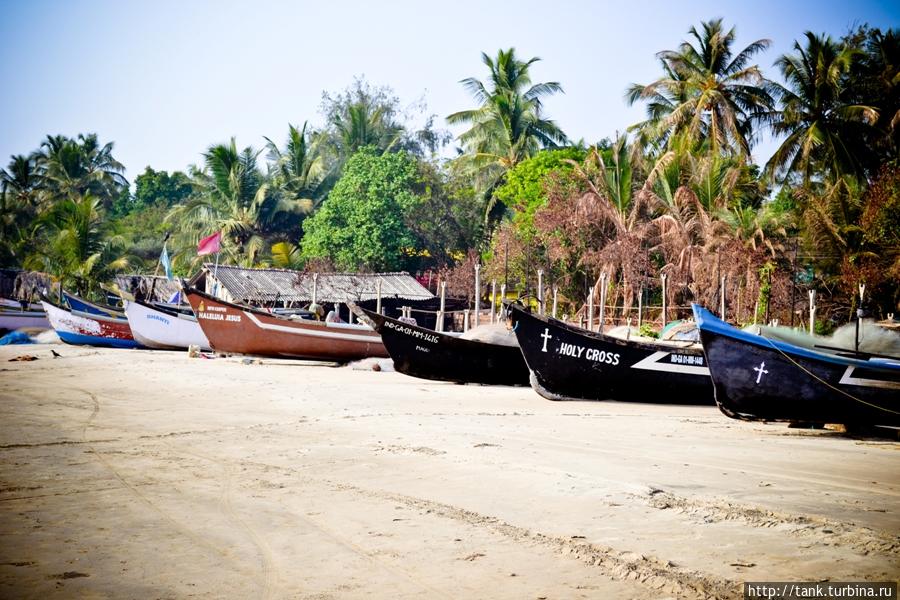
<point x="166" y="79"/>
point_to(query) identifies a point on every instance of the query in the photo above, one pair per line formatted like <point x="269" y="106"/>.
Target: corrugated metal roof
<point x="259" y="286"/>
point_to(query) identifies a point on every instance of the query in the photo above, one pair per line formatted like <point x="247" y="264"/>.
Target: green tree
<point x="524" y="187"/>
<point x="708" y="94"/>
<point x="874" y="80"/>
<point x="77" y="246"/>
<point x="362" y="224"/>
<point x="824" y="134"/>
<point x="447" y="222"/>
<point x="19" y="202"/>
<point x="509" y="124"/>
<point x="153" y="188"/>
<point x="74" y="168"/>
<point x="297" y="176"/>
<point x="231" y="197"/>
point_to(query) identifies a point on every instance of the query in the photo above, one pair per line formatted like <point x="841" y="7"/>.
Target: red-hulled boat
<point x="245" y="330"/>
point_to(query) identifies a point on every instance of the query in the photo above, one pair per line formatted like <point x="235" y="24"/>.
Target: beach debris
<point x="474" y="556"/>
<point x="193" y="351"/>
<point x="373" y="364"/>
<point x="68" y="575"/>
<point x="23" y="358"/>
<point x="251" y="361"/>
<point x="742" y="564"/>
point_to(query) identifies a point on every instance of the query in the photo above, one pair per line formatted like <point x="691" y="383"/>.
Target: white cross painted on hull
<point x="546" y="335"/>
<point x="760" y="370"/>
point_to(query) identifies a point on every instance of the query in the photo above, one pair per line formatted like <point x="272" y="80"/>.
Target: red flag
<point x="210" y="245"/>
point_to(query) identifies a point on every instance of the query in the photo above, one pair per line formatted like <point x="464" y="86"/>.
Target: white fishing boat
<point x="164" y="328"/>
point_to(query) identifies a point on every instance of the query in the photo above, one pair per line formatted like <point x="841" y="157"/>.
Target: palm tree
<point x="230" y="197"/>
<point x="72" y="168"/>
<point x="708" y="93"/>
<point x="19" y="195"/>
<point x="620" y="210"/>
<point x="76" y="245"/>
<point x="822" y="131"/>
<point x="362" y="116"/>
<point x="508" y="126"/>
<point x="298" y="181"/>
<point x="298" y="169"/>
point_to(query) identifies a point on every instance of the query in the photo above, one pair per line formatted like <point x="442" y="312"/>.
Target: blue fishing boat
<point x="79" y="304"/>
<point x="760" y="378"/>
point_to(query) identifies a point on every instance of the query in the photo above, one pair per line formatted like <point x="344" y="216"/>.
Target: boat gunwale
<point x="440" y="334"/>
<point x="610" y="339"/>
<point x="710" y="323"/>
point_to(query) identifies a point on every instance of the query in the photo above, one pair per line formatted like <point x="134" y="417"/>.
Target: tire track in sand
<point x="270" y="578"/>
<point x="655" y="574"/>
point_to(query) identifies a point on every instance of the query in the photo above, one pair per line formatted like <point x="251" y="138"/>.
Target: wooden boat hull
<point x="757" y="378"/>
<point x="244" y="330"/>
<point x="163" y="329"/>
<point x="570" y="363"/>
<point x="428" y="354"/>
<point x="79" y="328"/>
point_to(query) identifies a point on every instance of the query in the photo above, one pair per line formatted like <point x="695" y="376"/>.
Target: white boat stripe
<point x="651" y="363"/>
<point x="860" y="381"/>
<point x="312" y="332"/>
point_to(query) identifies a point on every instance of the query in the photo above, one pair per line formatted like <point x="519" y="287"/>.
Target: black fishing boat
<point x="570" y="363"/>
<point x="428" y="354"/>
<point x="759" y="378"/>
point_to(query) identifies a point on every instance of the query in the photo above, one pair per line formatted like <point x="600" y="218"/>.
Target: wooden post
<point x="603" y="277"/>
<point x="314" y="290"/>
<point x="641" y="307"/>
<point x="590" y="313"/>
<point x="439" y="326"/>
<point x="555" y="298"/>
<point x="812" y="312"/>
<point x="540" y="291"/>
<point x="378" y="296"/>
<point x="493" y="299"/>
<point x="663" y="276"/>
<point x="859" y="312"/>
<point x="722" y="299"/>
<point x="477" y="293"/>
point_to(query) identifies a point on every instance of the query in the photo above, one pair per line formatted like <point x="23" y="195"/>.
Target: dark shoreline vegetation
<point x="676" y="194"/>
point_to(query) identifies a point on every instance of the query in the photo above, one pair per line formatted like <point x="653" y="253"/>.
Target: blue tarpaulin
<point x="15" y="337"/>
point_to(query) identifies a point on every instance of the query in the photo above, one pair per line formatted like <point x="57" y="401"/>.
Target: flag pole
<point x="216" y="276"/>
<point x="158" y="263"/>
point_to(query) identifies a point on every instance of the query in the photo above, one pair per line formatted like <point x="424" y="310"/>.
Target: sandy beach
<point x="144" y="474"/>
